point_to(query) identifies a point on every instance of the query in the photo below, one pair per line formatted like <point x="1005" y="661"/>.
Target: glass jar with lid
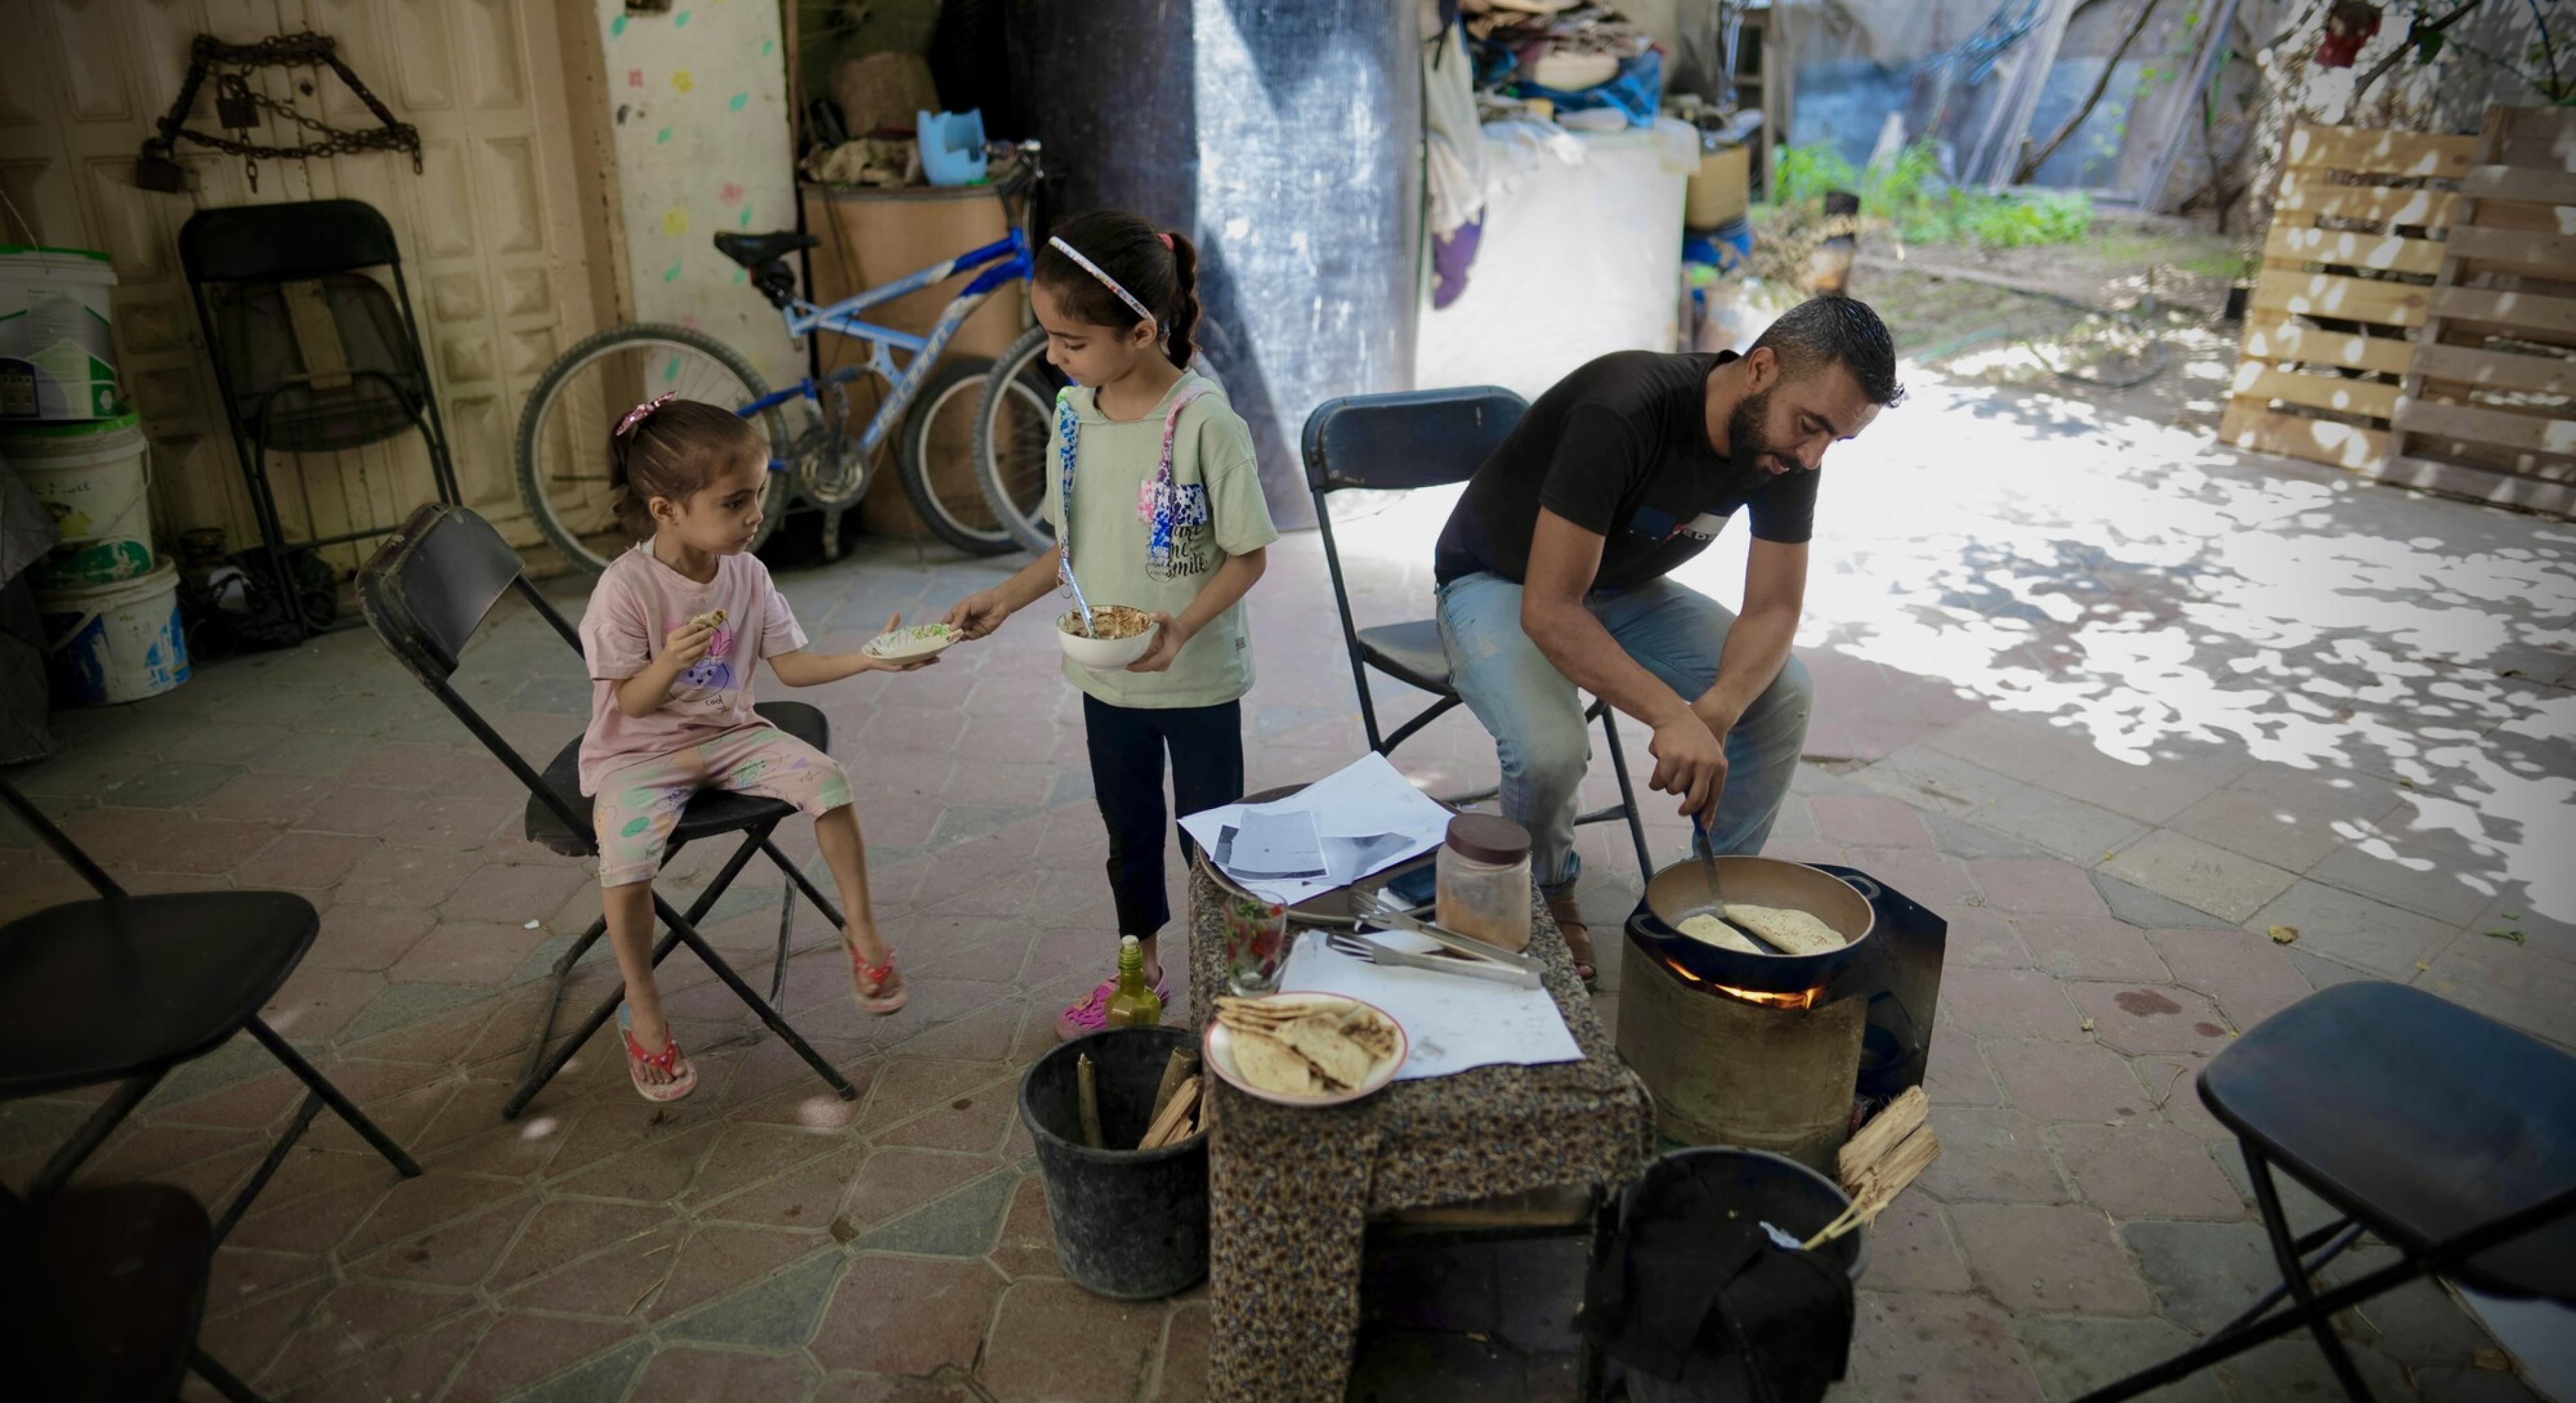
<point x="1484" y="880"/>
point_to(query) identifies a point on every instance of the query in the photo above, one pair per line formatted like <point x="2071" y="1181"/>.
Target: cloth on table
<point x="1292" y="1188"/>
<point x="1691" y="1291"/>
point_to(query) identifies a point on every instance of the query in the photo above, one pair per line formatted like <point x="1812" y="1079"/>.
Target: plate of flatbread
<point x="914" y="641"/>
<point x="1304" y="1049"/>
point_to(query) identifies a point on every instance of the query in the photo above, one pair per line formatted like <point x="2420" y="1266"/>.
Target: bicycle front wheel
<point x="938" y="462"/>
<point x="564" y="434"/>
<point x="1011" y="428"/>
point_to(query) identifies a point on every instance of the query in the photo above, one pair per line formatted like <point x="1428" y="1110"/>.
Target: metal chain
<point x="282" y="51"/>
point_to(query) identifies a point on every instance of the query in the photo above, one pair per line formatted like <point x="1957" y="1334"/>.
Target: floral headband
<point x="1095" y="270"/>
<point x="642" y="412"/>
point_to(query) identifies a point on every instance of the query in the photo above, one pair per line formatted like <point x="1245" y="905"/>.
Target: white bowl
<point x="1100" y="654"/>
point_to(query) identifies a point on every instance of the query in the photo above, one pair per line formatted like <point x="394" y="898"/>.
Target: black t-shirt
<point x="1619" y="447"/>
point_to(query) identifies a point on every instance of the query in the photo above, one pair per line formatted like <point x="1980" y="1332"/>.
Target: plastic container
<point x="90" y="475"/>
<point x="115" y="643"/>
<point x="1131" y="1225"/>
<point x="57" y="360"/>
<point x="952" y="147"/>
<point x="1484" y="881"/>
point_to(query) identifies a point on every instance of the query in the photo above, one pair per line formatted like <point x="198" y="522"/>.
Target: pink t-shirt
<point x="633" y="608"/>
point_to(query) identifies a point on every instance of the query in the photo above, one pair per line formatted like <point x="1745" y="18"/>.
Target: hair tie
<point x="1166" y="238"/>
<point x="1134" y="303"/>
<point x="642" y="412"/>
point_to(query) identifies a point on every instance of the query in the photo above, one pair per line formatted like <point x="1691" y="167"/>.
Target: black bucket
<point x="1129" y="1224"/>
<point x="1765" y="1187"/>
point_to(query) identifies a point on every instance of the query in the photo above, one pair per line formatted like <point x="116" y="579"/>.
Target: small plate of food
<point x="1304" y="1049"/>
<point x="903" y="645"/>
<point x="1119" y="635"/>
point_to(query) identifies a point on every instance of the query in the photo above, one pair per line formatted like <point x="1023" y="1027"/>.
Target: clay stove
<point x="1781" y="1069"/>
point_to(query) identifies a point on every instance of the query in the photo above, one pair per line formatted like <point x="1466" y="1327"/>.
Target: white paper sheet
<point x="1454" y="1023"/>
<point x="1370" y="818"/>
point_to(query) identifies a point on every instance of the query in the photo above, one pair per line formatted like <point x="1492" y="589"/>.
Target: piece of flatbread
<point x="1272" y="1065"/>
<point x="713" y="618"/>
<point x="1320" y="1040"/>
<point x="1709" y="930"/>
<point x="1370" y="1032"/>
<point x="1795" y="932"/>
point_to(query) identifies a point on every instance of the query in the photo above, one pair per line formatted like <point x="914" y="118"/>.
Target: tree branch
<point x="2405" y="46"/>
<point x="2036" y="159"/>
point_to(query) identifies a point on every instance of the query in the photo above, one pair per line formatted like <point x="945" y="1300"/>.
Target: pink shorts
<point x="637" y="806"/>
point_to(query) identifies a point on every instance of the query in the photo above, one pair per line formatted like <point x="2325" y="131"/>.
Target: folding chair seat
<point x="1397" y="443"/>
<point x="426" y="591"/>
<point x="2440" y="1131"/>
<point x="126" y="988"/>
<point x="101" y="1294"/>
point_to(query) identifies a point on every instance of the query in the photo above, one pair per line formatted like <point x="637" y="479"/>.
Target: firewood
<point x="1881" y="1135"/>
<point x="1882" y="1182"/>
<point x="1181" y="1064"/>
<point x="1170" y="1127"/>
<point x="1087" y="1099"/>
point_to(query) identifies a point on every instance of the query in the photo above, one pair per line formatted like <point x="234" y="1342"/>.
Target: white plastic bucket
<point x="92" y="478"/>
<point x="115" y="643"/>
<point x="57" y="360"/>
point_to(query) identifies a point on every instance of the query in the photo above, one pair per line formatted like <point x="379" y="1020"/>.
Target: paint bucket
<point x="115" y="643"/>
<point x="57" y="360"/>
<point x="91" y="477"/>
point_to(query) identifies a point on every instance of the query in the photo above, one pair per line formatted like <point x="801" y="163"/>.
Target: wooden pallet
<point x="2488" y="409"/>
<point x="2347" y="277"/>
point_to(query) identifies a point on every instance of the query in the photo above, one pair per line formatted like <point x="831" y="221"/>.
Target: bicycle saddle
<point x="755" y="250"/>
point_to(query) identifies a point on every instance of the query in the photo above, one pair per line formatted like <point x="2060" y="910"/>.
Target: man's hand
<point x="979" y="613"/>
<point x="1690" y="760"/>
<point x="1168" y="642"/>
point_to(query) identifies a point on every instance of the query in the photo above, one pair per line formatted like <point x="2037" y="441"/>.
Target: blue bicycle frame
<point x="1008" y="258"/>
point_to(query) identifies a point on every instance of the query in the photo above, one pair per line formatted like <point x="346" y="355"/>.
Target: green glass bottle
<point x="1132" y="1004"/>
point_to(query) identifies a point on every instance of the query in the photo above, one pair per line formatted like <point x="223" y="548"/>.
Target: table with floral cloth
<point x="1292" y="1189"/>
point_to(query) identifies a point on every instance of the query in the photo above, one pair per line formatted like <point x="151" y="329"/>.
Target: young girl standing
<point x="1155" y="492"/>
<point x="671" y="635"/>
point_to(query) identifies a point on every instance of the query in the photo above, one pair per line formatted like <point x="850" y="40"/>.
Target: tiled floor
<point x="2115" y="705"/>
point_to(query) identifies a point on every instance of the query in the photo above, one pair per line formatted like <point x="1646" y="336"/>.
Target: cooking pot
<point x="1683" y="890"/>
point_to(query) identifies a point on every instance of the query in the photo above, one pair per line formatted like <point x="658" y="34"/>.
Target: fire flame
<point x="1802" y="999"/>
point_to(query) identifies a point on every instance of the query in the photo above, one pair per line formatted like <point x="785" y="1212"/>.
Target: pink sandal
<point x="682" y="1079"/>
<point x="869" y="984"/>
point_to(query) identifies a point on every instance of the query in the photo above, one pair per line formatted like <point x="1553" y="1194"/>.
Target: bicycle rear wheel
<point x="938" y="461"/>
<point x="1011" y="428"/>
<point x="563" y="435"/>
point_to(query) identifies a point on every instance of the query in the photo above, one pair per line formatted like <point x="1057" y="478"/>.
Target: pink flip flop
<point x="682" y="1081"/>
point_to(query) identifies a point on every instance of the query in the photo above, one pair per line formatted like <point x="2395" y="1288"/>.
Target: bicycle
<point x="563" y="433"/>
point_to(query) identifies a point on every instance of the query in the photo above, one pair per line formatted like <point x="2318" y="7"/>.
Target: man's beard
<point x="1746" y="445"/>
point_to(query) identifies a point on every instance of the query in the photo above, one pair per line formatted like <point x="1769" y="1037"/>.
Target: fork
<point x="1384" y="912"/>
<point x="1360" y="947"/>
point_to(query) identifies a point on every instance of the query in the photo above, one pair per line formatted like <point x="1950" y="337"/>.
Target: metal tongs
<point x="1360" y="947"/>
<point x="1383" y="912"/>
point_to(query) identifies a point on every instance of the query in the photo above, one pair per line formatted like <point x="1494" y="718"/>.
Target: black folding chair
<point x="125" y="988"/>
<point x="101" y="1294"/>
<point x="426" y="591"/>
<point x="2444" y="1133"/>
<point x="313" y="354"/>
<point x="1396" y="443"/>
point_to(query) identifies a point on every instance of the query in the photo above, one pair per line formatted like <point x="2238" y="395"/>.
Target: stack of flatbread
<point x="1306" y="1044"/>
<point x="1791" y="932"/>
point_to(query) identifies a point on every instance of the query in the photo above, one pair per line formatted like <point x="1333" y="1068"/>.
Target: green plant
<point x="1908" y="195"/>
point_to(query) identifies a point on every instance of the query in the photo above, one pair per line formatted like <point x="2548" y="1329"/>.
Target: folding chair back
<point x="426" y="591"/>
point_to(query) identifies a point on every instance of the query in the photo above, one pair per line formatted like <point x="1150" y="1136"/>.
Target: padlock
<point x="160" y="173"/>
<point x="233" y="107"/>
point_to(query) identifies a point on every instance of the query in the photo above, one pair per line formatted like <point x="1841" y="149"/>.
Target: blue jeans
<point x="1536" y="715"/>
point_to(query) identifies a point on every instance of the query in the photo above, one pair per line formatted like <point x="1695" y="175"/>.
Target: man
<point x="1552" y="574"/>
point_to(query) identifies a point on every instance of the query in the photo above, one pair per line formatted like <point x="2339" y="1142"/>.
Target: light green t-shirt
<point x="1216" y="511"/>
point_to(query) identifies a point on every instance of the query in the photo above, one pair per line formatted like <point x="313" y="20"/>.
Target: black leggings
<point x="1127" y="744"/>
